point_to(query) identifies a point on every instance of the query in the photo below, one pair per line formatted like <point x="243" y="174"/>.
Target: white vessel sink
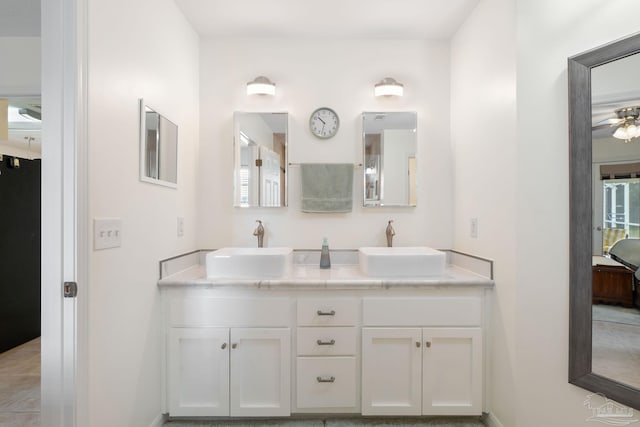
<point x="401" y="261"/>
<point x="258" y="263"/>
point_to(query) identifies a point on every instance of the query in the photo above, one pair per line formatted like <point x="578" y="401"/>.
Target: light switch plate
<point x="474" y="228"/>
<point x="107" y="233"/>
<point x="180" y="226"/>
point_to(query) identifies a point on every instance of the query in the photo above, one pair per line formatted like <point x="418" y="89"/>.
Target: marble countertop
<point x="340" y="276"/>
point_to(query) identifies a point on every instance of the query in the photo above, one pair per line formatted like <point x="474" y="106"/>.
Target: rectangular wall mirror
<point x="604" y="322"/>
<point x="389" y="167"/>
<point x="20" y="126"/>
<point x="260" y="159"/>
<point x="158" y="148"/>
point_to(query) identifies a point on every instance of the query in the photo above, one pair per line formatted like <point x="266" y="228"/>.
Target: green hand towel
<point x="327" y="188"/>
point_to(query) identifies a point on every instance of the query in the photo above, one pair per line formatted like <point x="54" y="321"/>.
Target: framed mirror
<point x="20" y="126"/>
<point x="260" y="159"/>
<point x="158" y="148"/>
<point x="604" y="325"/>
<point x="389" y="145"/>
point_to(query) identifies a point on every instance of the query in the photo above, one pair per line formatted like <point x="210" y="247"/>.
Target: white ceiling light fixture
<point x="261" y="86"/>
<point x="389" y="87"/>
<point x="629" y="127"/>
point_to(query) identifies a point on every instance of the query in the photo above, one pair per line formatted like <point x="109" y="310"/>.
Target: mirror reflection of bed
<point x="616" y="221"/>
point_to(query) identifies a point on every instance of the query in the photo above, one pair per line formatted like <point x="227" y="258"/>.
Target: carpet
<point x="616" y="352"/>
<point x="613" y="313"/>
<point x="338" y="422"/>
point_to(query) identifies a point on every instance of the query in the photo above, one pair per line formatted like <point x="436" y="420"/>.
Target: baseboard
<point x="492" y="421"/>
<point x="159" y="421"/>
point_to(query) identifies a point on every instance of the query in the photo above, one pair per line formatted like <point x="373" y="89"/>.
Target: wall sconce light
<point x="261" y="86"/>
<point x="389" y="87"/>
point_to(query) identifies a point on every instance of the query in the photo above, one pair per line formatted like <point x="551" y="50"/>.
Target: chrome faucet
<point x="259" y="232"/>
<point x="390" y="233"/>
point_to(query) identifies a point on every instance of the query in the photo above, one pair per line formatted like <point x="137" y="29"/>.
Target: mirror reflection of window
<point x="389" y="164"/>
<point x="260" y="159"/>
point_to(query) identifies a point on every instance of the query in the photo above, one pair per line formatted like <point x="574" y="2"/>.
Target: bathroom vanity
<point x="325" y="341"/>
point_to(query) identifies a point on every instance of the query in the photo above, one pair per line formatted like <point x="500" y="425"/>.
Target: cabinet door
<point x="260" y="372"/>
<point x="198" y="371"/>
<point x="391" y="371"/>
<point x="452" y="371"/>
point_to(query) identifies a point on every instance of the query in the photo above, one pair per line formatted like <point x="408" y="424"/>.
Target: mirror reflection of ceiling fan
<point x="619" y="119"/>
<point x="625" y="125"/>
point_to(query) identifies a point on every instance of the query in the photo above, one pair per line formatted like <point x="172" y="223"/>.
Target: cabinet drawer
<point x="327" y="341"/>
<point x="328" y="311"/>
<point x="326" y="382"/>
<point x="435" y="311"/>
<point x="202" y="311"/>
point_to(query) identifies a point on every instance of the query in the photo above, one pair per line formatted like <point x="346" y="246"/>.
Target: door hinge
<point x="259" y="163"/>
<point x="70" y="289"/>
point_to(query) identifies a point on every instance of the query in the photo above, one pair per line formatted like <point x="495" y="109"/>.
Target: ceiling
<point x="395" y="19"/>
<point x="20" y="18"/>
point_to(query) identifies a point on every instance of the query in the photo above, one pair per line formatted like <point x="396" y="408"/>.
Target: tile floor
<point x="20" y="386"/>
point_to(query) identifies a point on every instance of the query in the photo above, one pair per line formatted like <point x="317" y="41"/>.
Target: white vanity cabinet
<point x="351" y="349"/>
<point x="434" y="370"/>
<point x="223" y="361"/>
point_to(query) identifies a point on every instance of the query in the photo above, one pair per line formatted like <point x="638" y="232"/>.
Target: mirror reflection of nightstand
<point x="613" y="283"/>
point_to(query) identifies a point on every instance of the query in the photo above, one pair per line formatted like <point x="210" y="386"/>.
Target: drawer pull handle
<point x="418" y="344"/>
<point x="326" y="380"/>
<point x="224" y="345"/>
<point x="234" y="345"/>
<point x="428" y="344"/>
<point x="326" y="313"/>
<point x="320" y="342"/>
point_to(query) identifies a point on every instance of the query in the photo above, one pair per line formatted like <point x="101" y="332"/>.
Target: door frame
<point x="65" y="238"/>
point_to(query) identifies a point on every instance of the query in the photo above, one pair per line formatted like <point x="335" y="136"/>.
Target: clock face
<point x="324" y="123"/>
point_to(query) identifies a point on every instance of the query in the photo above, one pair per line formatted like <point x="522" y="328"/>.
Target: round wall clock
<point x="324" y="122"/>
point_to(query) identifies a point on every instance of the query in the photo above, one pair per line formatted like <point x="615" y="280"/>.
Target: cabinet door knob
<point x="326" y="313"/>
<point x="224" y="345"/>
<point x="326" y="380"/>
<point x="234" y="345"/>
<point x="418" y="344"/>
<point x="320" y="342"/>
<point x="428" y="344"/>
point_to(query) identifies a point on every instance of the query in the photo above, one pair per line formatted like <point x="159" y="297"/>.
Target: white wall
<point x="340" y="74"/>
<point x="483" y="98"/>
<point x="140" y="49"/>
<point x="20" y="70"/>
<point x="548" y="32"/>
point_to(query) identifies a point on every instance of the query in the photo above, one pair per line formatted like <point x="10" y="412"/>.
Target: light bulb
<point x="620" y="133"/>
<point x="632" y="130"/>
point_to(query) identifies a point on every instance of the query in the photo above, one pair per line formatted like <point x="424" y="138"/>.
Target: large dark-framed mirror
<point x="583" y="128"/>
